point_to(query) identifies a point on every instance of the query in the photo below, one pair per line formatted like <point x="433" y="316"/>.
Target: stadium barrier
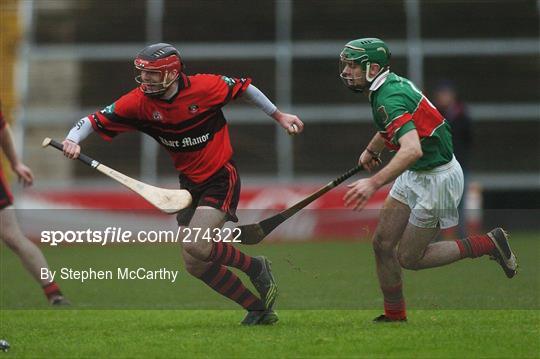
<point x="324" y="218"/>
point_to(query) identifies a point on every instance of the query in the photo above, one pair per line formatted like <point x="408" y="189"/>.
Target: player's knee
<point x="196" y="250"/>
<point x="196" y="267"/>
<point x="408" y="259"/>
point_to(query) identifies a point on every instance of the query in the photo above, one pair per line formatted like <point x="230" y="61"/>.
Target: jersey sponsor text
<point x="186" y="141"/>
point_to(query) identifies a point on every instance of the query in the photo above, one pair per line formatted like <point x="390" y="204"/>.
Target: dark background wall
<point x="509" y="146"/>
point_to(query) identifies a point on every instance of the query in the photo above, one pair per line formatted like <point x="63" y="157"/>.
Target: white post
<point x="22" y="69"/>
<point x="284" y="148"/>
<point x="149" y="147"/>
<point x="415" y="54"/>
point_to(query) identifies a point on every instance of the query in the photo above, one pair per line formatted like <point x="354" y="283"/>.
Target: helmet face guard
<point x="352" y="75"/>
<point x="161" y="59"/>
<point x="168" y="73"/>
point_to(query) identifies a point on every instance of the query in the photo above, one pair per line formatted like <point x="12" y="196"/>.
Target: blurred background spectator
<point x="455" y="112"/>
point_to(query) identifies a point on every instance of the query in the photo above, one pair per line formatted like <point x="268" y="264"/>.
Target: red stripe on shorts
<point x="230" y="190"/>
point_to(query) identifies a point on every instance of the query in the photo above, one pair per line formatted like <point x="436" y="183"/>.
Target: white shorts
<point x="433" y="196"/>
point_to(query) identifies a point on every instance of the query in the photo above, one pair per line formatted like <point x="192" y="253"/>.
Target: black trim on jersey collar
<point x="183" y="82"/>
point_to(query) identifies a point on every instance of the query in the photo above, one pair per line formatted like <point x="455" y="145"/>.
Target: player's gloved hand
<point x="289" y="122"/>
<point x="369" y="160"/>
<point x="24" y="173"/>
<point x="71" y="149"/>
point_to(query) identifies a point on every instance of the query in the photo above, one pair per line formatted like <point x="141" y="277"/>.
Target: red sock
<point x="52" y="290"/>
<point x="475" y="246"/>
<point x="228" y="255"/>
<point x="226" y="283"/>
<point x="394" y="303"/>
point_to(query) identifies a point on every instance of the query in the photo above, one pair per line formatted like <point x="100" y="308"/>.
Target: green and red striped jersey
<point x="399" y="107"/>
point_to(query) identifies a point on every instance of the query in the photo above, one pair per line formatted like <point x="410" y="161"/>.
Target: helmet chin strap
<point x="369" y="78"/>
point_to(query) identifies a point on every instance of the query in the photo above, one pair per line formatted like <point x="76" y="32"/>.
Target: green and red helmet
<point x="365" y="52"/>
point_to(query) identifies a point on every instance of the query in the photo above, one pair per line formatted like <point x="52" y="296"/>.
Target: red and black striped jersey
<point x="191" y="125"/>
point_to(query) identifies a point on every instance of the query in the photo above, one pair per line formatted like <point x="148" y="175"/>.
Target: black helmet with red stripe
<point x="163" y="59"/>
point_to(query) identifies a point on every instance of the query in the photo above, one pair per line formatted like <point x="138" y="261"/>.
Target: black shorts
<point x="221" y="191"/>
<point x="6" y="198"/>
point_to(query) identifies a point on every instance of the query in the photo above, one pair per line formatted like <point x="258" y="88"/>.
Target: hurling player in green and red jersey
<point x="183" y="114"/>
<point x="428" y="179"/>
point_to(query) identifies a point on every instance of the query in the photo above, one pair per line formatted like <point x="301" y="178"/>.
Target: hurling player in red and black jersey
<point x="183" y="114"/>
<point x="10" y="233"/>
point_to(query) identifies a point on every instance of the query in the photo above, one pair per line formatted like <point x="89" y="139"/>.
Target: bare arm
<point x="409" y="152"/>
<point x="370" y="157"/>
<point x="376" y="144"/>
<point x="361" y="191"/>
<point x="8" y="146"/>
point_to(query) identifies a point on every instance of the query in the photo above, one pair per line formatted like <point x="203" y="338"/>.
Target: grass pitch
<point x="302" y="333"/>
<point x="328" y="297"/>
